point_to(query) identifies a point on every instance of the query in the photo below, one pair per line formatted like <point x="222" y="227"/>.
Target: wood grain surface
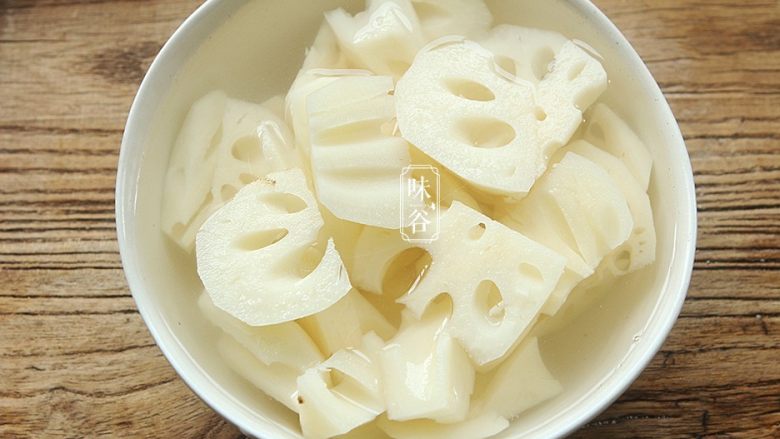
<point x="76" y="359"/>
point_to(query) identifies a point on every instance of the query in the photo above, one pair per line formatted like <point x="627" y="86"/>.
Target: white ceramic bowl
<point x="252" y="50"/>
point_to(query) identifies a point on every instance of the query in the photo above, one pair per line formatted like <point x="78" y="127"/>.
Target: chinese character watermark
<point x="419" y="203"/>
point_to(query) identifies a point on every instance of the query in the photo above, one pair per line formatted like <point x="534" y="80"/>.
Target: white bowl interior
<point x="252" y="50"/>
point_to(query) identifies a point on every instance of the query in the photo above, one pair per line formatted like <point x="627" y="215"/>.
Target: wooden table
<point x="76" y="359"/>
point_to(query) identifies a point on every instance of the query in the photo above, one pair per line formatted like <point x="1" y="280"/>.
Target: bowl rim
<point x="176" y="50"/>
